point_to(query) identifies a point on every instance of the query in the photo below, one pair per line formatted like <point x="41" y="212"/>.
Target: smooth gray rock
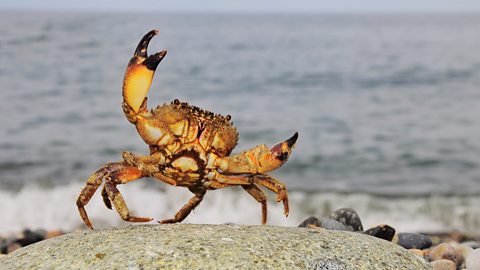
<point x="184" y="246"/>
<point x="414" y="240"/>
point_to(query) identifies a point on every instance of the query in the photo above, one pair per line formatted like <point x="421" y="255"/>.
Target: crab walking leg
<point x="258" y="195"/>
<point x="215" y="185"/>
<point x="93" y="182"/>
<point x="259" y="159"/>
<point x="165" y="179"/>
<point x="230" y="179"/>
<point x="122" y="176"/>
<point x="275" y="186"/>
<point x="188" y="207"/>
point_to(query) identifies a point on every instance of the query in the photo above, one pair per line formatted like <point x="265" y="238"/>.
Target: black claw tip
<point x="292" y="140"/>
<point x="153" y="60"/>
<point x="143" y="44"/>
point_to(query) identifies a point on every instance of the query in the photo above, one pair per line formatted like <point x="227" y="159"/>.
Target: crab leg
<point x="258" y="195"/>
<point x="93" y="182"/>
<point x="165" y="179"/>
<point x="259" y="159"/>
<point x="122" y="176"/>
<point x="247" y="181"/>
<point x="275" y="186"/>
<point x="230" y="179"/>
<point x="188" y="207"/>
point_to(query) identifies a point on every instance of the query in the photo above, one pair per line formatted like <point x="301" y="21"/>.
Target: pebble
<point x="5" y="243"/>
<point x="443" y="264"/>
<point x="30" y="237"/>
<point x="325" y="223"/>
<point x="413" y="240"/>
<point x="349" y="218"/>
<point x="473" y="260"/>
<point x="383" y="231"/>
<point x="310" y="221"/>
<point x="13" y="247"/>
<point x="472" y="244"/>
<point x="443" y="251"/>
<point x="420" y="253"/>
<point x="464" y="250"/>
<point x="333" y="225"/>
<point x="25" y="238"/>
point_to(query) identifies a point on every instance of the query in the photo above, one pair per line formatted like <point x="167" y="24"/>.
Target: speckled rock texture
<point x="184" y="246"/>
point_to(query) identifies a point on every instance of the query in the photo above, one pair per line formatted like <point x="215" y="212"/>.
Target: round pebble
<point x="333" y="225"/>
<point x="443" y="264"/>
<point x="413" y="240"/>
<point x="464" y="250"/>
<point x="349" y="218"/>
<point x="310" y="221"/>
<point x="420" y="253"/>
<point x="325" y="223"/>
<point x="473" y="260"/>
<point x="13" y="247"/>
<point x="472" y="244"/>
<point x="54" y="233"/>
<point x="6" y="243"/>
<point x="442" y="251"/>
<point x="383" y="231"/>
<point x="3" y="246"/>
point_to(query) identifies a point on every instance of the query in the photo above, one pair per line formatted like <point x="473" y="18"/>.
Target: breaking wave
<point x="35" y="207"/>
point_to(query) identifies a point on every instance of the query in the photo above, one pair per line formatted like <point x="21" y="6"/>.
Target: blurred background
<point x="385" y="97"/>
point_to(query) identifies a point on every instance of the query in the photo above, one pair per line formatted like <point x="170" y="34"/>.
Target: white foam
<point x="35" y="207"/>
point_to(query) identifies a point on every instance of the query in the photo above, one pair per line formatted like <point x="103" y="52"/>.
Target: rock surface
<point x="211" y="246"/>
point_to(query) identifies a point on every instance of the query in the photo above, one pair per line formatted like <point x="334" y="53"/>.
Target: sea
<point x="387" y="107"/>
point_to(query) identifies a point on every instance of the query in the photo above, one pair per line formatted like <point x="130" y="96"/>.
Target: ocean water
<point x="386" y="106"/>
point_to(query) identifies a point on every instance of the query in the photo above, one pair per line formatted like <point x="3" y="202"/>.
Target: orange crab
<point x="189" y="147"/>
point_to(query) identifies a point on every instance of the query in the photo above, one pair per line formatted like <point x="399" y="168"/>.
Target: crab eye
<point x="176" y="102"/>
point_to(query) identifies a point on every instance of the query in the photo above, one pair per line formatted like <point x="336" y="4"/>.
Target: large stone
<point x="187" y="246"/>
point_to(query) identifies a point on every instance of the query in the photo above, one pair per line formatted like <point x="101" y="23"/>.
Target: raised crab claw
<point x="189" y="147"/>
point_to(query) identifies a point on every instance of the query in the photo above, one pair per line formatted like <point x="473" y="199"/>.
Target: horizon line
<point x="246" y="12"/>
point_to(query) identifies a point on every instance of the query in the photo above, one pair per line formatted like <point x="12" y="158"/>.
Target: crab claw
<point x="259" y="159"/>
<point x="271" y="159"/>
<point x="281" y="151"/>
<point x="139" y="73"/>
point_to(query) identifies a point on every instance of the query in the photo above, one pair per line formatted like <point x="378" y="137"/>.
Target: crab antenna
<point x="139" y="75"/>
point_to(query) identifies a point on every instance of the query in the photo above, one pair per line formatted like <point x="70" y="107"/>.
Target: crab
<point x="189" y="147"/>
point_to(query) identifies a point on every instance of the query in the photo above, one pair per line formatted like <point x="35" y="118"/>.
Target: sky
<point x="249" y="6"/>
